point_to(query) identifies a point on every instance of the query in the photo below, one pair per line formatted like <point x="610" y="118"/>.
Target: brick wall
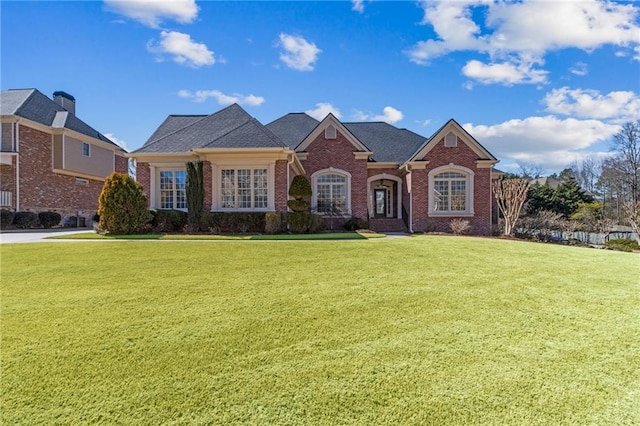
<point x="461" y="155"/>
<point x="338" y="153"/>
<point x="143" y="177"/>
<point x="281" y="186"/>
<point x="41" y="189"/>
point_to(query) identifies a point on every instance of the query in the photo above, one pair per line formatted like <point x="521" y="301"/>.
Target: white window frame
<point x="269" y="189"/>
<point x="469" y="188"/>
<point x="88" y="149"/>
<point x="174" y="189"/>
<point x="314" y="186"/>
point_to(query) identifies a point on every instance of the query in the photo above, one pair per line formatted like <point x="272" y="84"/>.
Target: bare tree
<point x="587" y="172"/>
<point x="510" y="195"/>
<point x="626" y="145"/>
<point x="633" y="217"/>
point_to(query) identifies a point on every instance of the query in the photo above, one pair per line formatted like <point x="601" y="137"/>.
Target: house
<point x="393" y="178"/>
<point x="50" y="159"/>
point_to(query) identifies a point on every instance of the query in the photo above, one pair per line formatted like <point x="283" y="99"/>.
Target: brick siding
<point x="338" y="153"/>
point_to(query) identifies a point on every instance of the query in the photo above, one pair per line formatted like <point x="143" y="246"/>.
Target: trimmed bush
<point x="304" y="223"/>
<point x="49" y="219"/>
<point x="622" y="244"/>
<point x="168" y="220"/>
<point x="122" y="205"/>
<point x="300" y="190"/>
<point x="356" y="223"/>
<point x="6" y="218"/>
<point x="25" y="220"/>
<point x="195" y="194"/>
<point x="272" y="222"/>
<point x="235" y="222"/>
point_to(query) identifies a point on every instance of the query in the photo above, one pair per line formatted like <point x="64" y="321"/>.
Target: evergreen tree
<point x="195" y="194"/>
<point x="122" y="205"/>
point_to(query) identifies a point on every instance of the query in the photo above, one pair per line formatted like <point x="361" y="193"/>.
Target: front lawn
<point x="261" y="237"/>
<point x="423" y="330"/>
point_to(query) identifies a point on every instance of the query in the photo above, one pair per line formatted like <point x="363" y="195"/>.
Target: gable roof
<point x="388" y="143"/>
<point x="293" y="128"/>
<point x="33" y="105"/>
<point x="469" y="140"/>
<point x="231" y="127"/>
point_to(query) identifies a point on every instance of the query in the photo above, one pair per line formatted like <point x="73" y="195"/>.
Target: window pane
<point x="331" y="190"/>
<point x="441" y="195"/>
<point x="166" y="189"/>
<point x="458" y="195"/>
<point x="228" y="188"/>
<point x="181" y="189"/>
<point x="260" y="197"/>
<point x="244" y="188"/>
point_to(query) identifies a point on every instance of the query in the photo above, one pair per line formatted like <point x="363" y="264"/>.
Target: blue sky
<point x="540" y="83"/>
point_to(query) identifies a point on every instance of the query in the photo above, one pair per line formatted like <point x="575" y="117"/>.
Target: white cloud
<point x="298" y="53"/>
<point x="619" y="105"/>
<point x="119" y="142"/>
<point x="519" y="34"/>
<point x="152" y="13"/>
<point x="579" y="68"/>
<point x="221" y="98"/>
<point x="547" y="141"/>
<point x="183" y="50"/>
<point x="503" y="73"/>
<point x="322" y="110"/>
<point x="389" y="115"/>
<point x="357" y="5"/>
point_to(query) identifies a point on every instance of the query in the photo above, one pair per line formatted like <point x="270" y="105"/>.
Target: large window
<point x="451" y="191"/>
<point x="244" y="188"/>
<point x="173" y="185"/>
<point x="331" y="192"/>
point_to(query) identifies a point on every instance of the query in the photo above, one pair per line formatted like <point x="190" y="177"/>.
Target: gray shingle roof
<point x="293" y="128"/>
<point x="388" y="143"/>
<point x="231" y="127"/>
<point x="32" y="105"/>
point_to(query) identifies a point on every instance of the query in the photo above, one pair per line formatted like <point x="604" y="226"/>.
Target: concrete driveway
<point x="36" y="235"/>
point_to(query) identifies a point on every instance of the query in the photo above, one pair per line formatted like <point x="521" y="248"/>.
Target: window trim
<point x="235" y="168"/>
<point x="174" y="190"/>
<point x="88" y="146"/>
<point x="314" y="187"/>
<point x="470" y="177"/>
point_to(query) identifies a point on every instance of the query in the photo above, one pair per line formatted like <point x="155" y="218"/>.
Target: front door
<point x="380" y="197"/>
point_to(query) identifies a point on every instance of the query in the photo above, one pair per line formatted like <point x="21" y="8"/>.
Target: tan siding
<point x="99" y="163"/>
<point x="57" y="152"/>
<point x="7" y="140"/>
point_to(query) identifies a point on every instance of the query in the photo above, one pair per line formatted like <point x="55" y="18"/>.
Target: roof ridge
<point x="268" y="132"/>
<point x="202" y="117"/>
<point x="24" y="103"/>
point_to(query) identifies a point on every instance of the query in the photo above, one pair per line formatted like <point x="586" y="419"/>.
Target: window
<point x="331" y="192"/>
<point x="86" y="149"/>
<point x="173" y="184"/>
<point x="81" y="181"/>
<point x="244" y="188"/>
<point x="450" y="140"/>
<point x="451" y="191"/>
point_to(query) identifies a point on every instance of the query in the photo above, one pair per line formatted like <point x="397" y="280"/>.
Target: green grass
<point x="424" y="330"/>
<point x="322" y="236"/>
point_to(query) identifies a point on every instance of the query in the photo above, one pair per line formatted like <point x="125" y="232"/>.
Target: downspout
<point x="17" y="148"/>
<point x="406" y="167"/>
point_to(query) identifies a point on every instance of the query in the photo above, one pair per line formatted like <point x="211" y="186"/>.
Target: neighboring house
<point x="393" y="178"/>
<point x="50" y="159"/>
<point x="551" y="182"/>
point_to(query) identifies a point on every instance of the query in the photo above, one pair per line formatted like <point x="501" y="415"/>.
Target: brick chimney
<point x="65" y="100"/>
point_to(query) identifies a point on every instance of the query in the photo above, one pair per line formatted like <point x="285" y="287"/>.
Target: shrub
<point x="356" y="223"/>
<point x="25" y="220"/>
<point x="122" y="205"/>
<point x="235" y="222"/>
<point x="300" y="190"/>
<point x="304" y="223"/>
<point x="168" y="220"/>
<point x="49" y="219"/>
<point x="622" y="244"/>
<point x="459" y="226"/>
<point x="6" y="218"/>
<point x="272" y="222"/>
<point x="195" y="194"/>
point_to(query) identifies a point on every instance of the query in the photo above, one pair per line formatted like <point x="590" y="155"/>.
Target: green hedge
<point x="25" y="220"/>
<point x="49" y="219"/>
<point x="235" y="222"/>
<point x="168" y="220"/>
<point x="623" y="244"/>
<point x="304" y="223"/>
<point x="6" y="218"/>
<point x="272" y="223"/>
<point x="355" y="223"/>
